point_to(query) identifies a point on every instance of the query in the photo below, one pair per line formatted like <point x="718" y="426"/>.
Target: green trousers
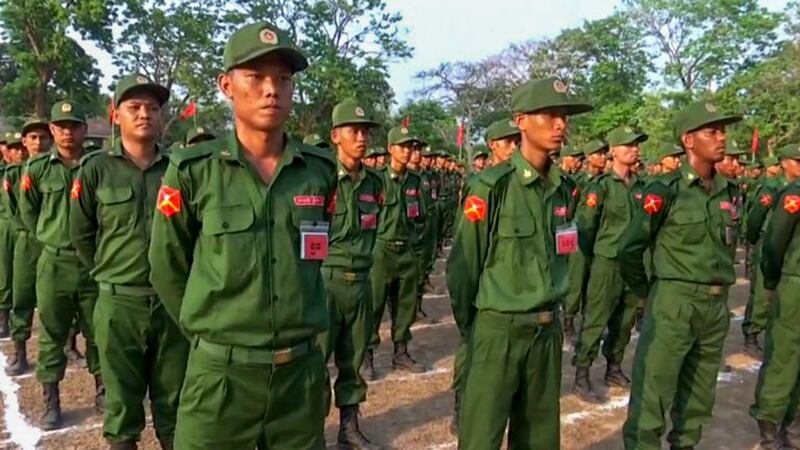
<point x="64" y="289"/>
<point x="460" y="366"/>
<point x="676" y="364"/>
<point x="778" y="387"/>
<point x="609" y="305"/>
<point x="142" y="351"/>
<point x="394" y="280"/>
<point x="26" y="255"/>
<point x="7" y="239"/>
<point x="227" y="404"/>
<point x="350" y="312"/>
<point x="756" y="312"/>
<point x="515" y="380"/>
<point x="575" y="298"/>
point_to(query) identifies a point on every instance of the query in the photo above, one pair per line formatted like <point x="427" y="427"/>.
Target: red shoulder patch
<point x="652" y="204"/>
<point x="791" y="203"/>
<point x="25" y="183"/>
<point x="765" y="200"/>
<point x="591" y="200"/>
<point x="169" y="201"/>
<point x="474" y="208"/>
<point x="6" y="185"/>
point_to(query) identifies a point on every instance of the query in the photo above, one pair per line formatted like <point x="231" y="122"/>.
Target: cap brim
<point x="724" y="120"/>
<point x="405" y="140"/>
<point x="160" y="92"/>
<point x="296" y="60"/>
<point x="68" y="118"/>
<point x="201" y="135"/>
<point x="370" y="123"/>
<point x="573" y="108"/>
<point x="34" y="125"/>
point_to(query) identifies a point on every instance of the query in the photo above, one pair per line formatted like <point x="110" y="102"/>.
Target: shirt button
<point x="274" y="260"/>
<point x="274" y="298"/>
<point x="271" y="222"/>
<point x="225" y="225"/>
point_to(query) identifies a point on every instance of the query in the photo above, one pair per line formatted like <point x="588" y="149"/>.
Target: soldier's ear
<point x="224" y="84"/>
<point x="335" y="136"/>
<point x="519" y="119"/>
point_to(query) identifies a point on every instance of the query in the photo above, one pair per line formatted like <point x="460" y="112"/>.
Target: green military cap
<point x="401" y="135"/>
<point x="732" y="149"/>
<point x="66" y="111"/>
<point x="315" y="140"/>
<point x="13" y="138"/>
<point x="754" y="164"/>
<point x="624" y="136"/>
<point x="536" y="95"/>
<point x="669" y="150"/>
<point x="198" y="132"/>
<point x="698" y="115"/>
<point x="594" y="146"/>
<point x="4" y="137"/>
<point x="258" y="39"/>
<point x="33" y="123"/>
<point x="480" y="151"/>
<point x="770" y="161"/>
<point x="91" y="146"/>
<point x="348" y="112"/>
<point x="789" y="151"/>
<point x="570" y="150"/>
<point x="428" y="153"/>
<point x="131" y="84"/>
<point x="500" y="129"/>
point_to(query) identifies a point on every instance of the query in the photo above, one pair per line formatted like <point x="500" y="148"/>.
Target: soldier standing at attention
<point x="509" y="260"/>
<point x="141" y="348"/>
<point x="64" y="287"/>
<point x="605" y="211"/>
<point x="346" y="270"/>
<point x="239" y="236"/>
<point x="690" y="219"/>
<point x="775" y="408"/>
<point x="669" y="158"/>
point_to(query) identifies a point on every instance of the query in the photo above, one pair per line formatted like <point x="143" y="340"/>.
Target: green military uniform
<point x="197" y="135"/>
<point x="509" y="260"/>
<point x="395" y="273"/>
<point x="346" y="273"/>
<point x="691" y="229"/>
<point x="668" y="150"/>
<point x="7" y="232"/>
<point x="236" y="261"/>
<point x="604" y="213"/>
<point x="64" y="287"/>
<point x="776" y="395"/>
<point x="141" y="348"/>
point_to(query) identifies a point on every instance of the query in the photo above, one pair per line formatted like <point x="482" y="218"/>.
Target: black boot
<point x="569" y="328"/>
<point x="403" y="361"/>
<point x="4" y="330"/>
<point x="51" y="419"/>
<point x="20" y="363"/>
<point x="166" y="443"/>
<point x="769" y="435"/>
<point x="71" y="349"/>
<point x="615" y="376"/>
<point x="350" y="437"/>
<point x="99" y="395"/>
<point x="791" y="434"/>
<point x="583" y="387"/>
<point x="126" y="445"/>
<point x="751" y="346"/>
<point x="368" y="367"/>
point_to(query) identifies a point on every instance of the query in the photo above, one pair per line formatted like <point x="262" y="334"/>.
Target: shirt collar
<point x="528" y="174"/>
<point x="117" y="151"/>
<point x="233" y="150"/>
<point x="341" y="171"/>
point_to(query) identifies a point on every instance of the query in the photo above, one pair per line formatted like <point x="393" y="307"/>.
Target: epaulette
<point x="201" y="150"/>
<point x="493" y="174"/>
<point x="322" y="153"/>
<point x="667" y="179"/>
<point x="89" y="156"/>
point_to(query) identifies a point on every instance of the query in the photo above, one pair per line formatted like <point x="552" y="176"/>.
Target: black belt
<point x="60" y="251"/>
<point x="251" y="355"/>
<point x="342" y="274"/>
<point x="124" y="289"/>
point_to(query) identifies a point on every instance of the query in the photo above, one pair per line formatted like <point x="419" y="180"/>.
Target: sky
<point x="457" y="30"/>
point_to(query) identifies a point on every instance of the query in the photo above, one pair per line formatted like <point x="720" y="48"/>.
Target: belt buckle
<point x="349" y="276"/>
<point x="715" y="290"/>
<point x="545" y="317"/>
<point x="282" y="356"/>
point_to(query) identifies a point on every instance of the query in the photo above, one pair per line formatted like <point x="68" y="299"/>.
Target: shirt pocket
<point x="228" y="243"/>
<point x="367" y="216"/>
<point x="116" y="205"/>
<point x="691" y="226"/>
<point x="52" y="196"/>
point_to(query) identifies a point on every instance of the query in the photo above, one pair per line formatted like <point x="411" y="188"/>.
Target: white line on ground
<point x="433" y="296"/>
<point x="22" y="434"/>
<point x="74" y="428"/>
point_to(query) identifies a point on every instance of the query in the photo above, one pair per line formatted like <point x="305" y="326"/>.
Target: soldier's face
<point x="351" y="140"/>
<point x="36" y="141"/>
<point x="502" y="149"/>
<point x="15" y="154"/>
<point x="791" y="168"/>
<point x="369" y="161"/>
<point x="439" y="162"/>
<point x="416" y="156"/>
<point x="426" y="162"/>
<point x="260" y="92"/>
<point x="543" y="129"/>
<point x="380" y="160"/>
<point x="670" y="163"/>
<point x="707" y="143"/>
<point x="597" y="160"/>
<point x="626" y="154"/>
<point x="139" y="117"/>
<point x="479" y="163"/>
<point x="401" y="153"/>
<point x="773" y="171"/>
<point x="68" y="136"/>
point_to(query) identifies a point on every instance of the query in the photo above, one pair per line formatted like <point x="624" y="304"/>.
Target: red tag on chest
<point x="369" y="221"/>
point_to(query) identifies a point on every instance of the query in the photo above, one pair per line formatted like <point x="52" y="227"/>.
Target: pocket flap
<point x="228" y="219"/>
<point x="111" y="195"/>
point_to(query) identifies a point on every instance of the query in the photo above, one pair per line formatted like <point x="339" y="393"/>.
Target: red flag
<point x="189" y="111"/>
<point x="406" y="121"/>
<point x="111" y="112"/>
<point x="460" y="134"/>
<point x="754" y="143"/>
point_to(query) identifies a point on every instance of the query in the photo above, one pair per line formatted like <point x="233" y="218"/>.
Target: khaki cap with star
<point x="401" y="135"/>
<point x="131" y="84"/>
<point x="536" y="95"/>
<point x="594" y="146"/>
<point x="34" y="123"/>
<point x="350" y="112"/>
<point x="67" y="111"/>
<point x="258" y="39"/>
<point x="698" y="115"/>
<point x="500" y="129"/>
<point x="624" y="136"/>
<point x="197" y="133"/>
<point x="789" y="151"/>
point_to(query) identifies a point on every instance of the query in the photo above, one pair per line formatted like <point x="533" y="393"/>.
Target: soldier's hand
<point x="769" y="295"/>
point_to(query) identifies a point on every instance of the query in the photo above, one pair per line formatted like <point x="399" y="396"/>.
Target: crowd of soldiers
<point x="219" y="276"/>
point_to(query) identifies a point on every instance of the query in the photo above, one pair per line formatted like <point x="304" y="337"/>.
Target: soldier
<point x="346" y="270"/>
<point x="64" y="288"/>
<point x="605" y="211"/>
<point x="509" y="261"/>
<point x="239" y="236"/>
<point x="316" y="141"/>
<point x="141" y="348"/>
<point x="422" y="241"/>
<point x="775" y="408"/>
<point x="36" y="139"/>
<point x="570" y="158"/>
<point x="595" y="153"/>
<point x="502" y="138"/>
<point x="380" y="158"/>
<point x="570" y="164"/>
<point x="729" y="166"/>
<point x="369" y="158"/>
<point x="12" y="144"/>
<point x="689" y="218"/>
<point x="669" y="158"/>
<point x="197" y="135"/>
<point x="480" y="156"/>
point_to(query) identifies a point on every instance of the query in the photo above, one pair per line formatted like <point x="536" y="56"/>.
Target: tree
<point x="431" y="122"/>
<point x="46" y="56"/>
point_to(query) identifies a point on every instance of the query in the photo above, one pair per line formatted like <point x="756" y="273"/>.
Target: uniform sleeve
<point x="30" y="198"/>
<point x="467" y="257"/>
<point x="175" y="229"/>
<point x="10" y="194"/>
<point x="640" y="233"/>
<point x="83" y="225"/>
<point x="779" y="233"/>
<point x="760" y="205"/>
<point x="590" y="210"/>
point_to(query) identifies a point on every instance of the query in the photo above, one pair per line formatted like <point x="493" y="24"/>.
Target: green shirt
<point x="506" y="261"/>
<point x="354" y="224"/>
<point x="402" y="216"/>
<point x="605" y="211"/>
<point x="111" y="217"/>
<point x="44" y="199"/>
<point x="760" y="210"/>
<point x="225" y="253"/>
<point x="781" y="251"/>
<point x="691" y="232"/>
<point x="8" y="200"/>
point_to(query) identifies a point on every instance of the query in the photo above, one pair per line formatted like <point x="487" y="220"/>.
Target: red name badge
<point x="567" y="240"/>
<point x="412" y="210"/>
<point x="369" y="221"/>
<point x="313" y="241"/>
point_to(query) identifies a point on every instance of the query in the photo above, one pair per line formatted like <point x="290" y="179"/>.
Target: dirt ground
<point x="412" y="412"/>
